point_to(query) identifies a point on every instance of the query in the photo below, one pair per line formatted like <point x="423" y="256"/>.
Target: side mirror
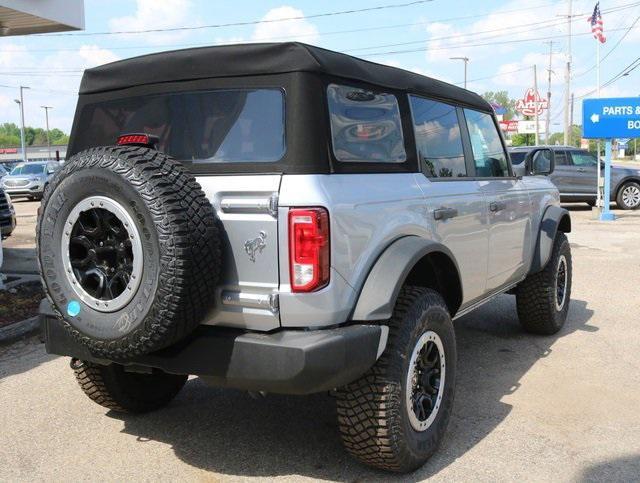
<point x="540" y="162"/>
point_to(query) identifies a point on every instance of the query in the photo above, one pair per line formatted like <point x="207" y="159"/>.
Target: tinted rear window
<point x="365" y="126"/>
<point x="235" y="125"/>
<point x="517" y="157"/>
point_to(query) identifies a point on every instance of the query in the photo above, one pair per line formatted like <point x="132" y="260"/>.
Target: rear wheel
<point x="629" y="196"/>
<point x="395" y="416"/>
<point x="114" y="388"/>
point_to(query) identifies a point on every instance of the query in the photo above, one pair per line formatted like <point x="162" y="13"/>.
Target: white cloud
<point x="416" y="69"/>
<point x="56" y="81"/>
<point x="157" y="14"/>
<point x="92" y="56"/>
<point x="449" y="39"/>
<point x="302" y="29"/>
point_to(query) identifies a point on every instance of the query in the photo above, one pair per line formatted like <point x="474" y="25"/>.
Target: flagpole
<point x="599" y="201"/>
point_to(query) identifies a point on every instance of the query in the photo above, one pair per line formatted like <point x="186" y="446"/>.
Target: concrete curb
<point x="20" y="329"/>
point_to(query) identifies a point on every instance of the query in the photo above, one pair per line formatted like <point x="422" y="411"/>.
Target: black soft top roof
<point x="260" y="59"/>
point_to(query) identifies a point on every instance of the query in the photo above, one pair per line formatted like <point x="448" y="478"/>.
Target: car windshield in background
<point x="236" y="125"/>
<point x="517" y="157"/>
<point x="2" y="171"/>
<point x="365" y="126"/>
<point x="24" y="169"/>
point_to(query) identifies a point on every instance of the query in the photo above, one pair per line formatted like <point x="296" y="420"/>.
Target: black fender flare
<point x="554" y="218"/>
<point x="384" y="281"/>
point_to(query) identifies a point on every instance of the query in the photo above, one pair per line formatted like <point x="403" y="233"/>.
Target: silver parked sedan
<point x="29" y="179"/>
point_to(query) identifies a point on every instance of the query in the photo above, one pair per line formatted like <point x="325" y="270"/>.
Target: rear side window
<point x="583" y="158"/>
<point x="517" y="157"/>
<point x="220" y="126"/>
<point x="561" y="158"/>
<point x="488" y="152"/>
<point x="438" y="139"/>
<point x="365" y="126"/>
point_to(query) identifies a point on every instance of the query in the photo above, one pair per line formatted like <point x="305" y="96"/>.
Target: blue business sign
<point x="616" y="117"/>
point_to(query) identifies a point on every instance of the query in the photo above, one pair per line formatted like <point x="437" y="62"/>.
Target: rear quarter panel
<point x="367" y="213"/>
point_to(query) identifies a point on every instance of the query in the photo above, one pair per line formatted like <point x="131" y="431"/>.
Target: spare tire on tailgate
<point x="129" y="250"/>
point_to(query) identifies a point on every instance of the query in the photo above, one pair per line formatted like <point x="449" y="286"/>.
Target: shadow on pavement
<point x="228" y="432"/>
<point x="19" y="260"/>
<point x="620" y="469"/>
<point x="22" y="356"/>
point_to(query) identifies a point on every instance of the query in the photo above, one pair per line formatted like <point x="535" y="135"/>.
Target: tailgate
<point x="247" y="208"/>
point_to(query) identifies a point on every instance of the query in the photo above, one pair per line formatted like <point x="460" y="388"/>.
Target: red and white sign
<point x="531" y="104"/>
<point x="509" y="126"/>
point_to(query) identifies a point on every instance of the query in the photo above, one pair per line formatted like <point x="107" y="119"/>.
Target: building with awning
<point x="24" y="17"/>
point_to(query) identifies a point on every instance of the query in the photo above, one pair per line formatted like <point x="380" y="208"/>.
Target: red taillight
<point x="308" y="249"/>
<point x="137" y="139"/>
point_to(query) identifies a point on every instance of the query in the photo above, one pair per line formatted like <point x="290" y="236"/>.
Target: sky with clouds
<point x="503" y="40"/>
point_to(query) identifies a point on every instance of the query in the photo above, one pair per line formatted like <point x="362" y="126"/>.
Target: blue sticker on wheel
<point x="73" y="308"/>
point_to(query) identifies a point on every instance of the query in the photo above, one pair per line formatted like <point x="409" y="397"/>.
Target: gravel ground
<point x="561" y="408"/>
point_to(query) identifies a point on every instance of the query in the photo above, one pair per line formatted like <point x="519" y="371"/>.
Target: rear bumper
<point x="25" y="191"/>
<point x="285" y="361"/>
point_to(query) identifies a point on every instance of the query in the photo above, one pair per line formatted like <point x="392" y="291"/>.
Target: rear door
<point x="584" y="167"/>
<point x="454" y="199"/>
<point x="506" y="199"/>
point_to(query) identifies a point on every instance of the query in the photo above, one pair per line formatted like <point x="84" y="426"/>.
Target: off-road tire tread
<point x="112" y="388"/>
<point x="368" y="408"/>
<point x="535" y="296"/>
<point x="190" y="249"/>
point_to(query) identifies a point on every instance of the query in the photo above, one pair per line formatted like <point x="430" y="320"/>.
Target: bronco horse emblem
<point x="255" y="245"/>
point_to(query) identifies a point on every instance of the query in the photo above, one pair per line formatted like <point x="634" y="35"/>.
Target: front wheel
<point x="543" y="298"/>
<point x="629" y="196"/>
<point x="395" y="416"/>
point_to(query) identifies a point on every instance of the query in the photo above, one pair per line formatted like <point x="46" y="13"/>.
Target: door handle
<point x="581" y="170"/>
<point x="444" y="213"/>
<point x="496" y="206"/>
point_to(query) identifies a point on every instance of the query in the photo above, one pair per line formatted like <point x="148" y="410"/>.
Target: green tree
<point x="502" y="98"/>
<point x="10" y="136"/>
<point x="574" y="137"/>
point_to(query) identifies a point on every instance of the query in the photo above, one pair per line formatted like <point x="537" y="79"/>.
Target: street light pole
<point x="22" y="141"/>
<point x="567" y="89"/>
<point x="466" y="61"/>
<point x="46" y="115"/>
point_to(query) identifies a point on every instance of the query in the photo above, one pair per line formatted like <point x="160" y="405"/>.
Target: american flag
<point x="596" y="24"/>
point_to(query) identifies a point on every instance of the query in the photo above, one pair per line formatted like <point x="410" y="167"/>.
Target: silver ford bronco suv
<point x="283" y="218"/>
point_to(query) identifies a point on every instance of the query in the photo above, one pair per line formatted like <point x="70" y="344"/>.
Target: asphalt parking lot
<point x="560" y="408"/>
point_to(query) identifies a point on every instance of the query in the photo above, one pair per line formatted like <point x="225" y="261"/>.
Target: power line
<point x="504" y="31"/>
<point x="552" y="23"/>
<point x="624" y="72"/>
<point x="471" y="45"/>
<point x="53" y="91"/>
<point x="245" y="23"/>
<point x="70" y="72"/>
<point x="321" y="34"/>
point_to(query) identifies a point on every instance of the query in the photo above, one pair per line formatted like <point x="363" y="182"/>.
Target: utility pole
<point x="535" y="90"/>
<point x="466" y="61"/>
<point x="571" y="115"/>
<point x="567" y="89"/>
<point x="46" y="115"/>
<point x="549" y="72"/>
<point x="22" y="142"/>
